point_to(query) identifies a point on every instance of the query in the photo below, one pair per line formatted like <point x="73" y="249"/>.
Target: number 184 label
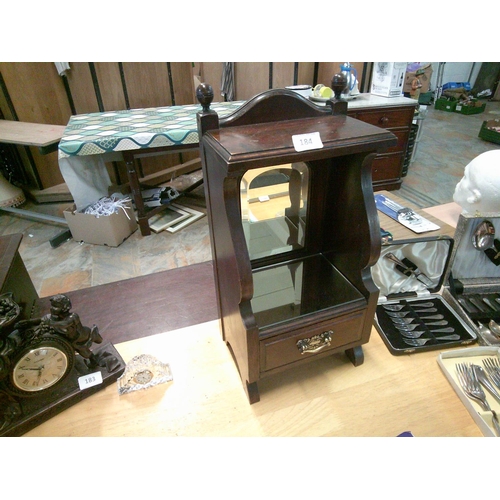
<point x="304" y="142"/>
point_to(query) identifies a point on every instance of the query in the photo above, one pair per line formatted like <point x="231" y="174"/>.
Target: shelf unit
<point x="308" y="293"/>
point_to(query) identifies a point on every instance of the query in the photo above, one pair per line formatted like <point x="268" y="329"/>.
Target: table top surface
<point x="98" y="133"/>
<point x="169" y="126"/>
<point x="30" y="134"/>
<point x="385" y="396"/>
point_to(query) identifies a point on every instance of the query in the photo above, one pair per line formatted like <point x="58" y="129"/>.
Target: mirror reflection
<point x="274" y="209"/>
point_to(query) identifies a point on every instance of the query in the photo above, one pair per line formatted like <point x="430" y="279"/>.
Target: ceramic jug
<point x="352" y="79"/>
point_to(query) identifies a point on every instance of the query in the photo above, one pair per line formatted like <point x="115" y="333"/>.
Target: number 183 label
<point x="304" y="142"/>
<point x="90" y="380"/>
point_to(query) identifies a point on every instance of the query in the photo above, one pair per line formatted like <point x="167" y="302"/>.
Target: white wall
<point x="455" y="72"/>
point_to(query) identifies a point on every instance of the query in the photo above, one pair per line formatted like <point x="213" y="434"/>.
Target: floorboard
<point x="146" y="305"/>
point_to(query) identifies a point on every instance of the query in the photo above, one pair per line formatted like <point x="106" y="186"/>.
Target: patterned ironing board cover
<point x="98" y="133"/>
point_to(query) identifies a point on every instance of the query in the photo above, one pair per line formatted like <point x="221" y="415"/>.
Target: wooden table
<point x="44" y="137"/>
<point x="90" y="139"/>
<point x="385" y="396"/>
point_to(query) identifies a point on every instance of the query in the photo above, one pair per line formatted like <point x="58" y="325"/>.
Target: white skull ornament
<point x="479" y="189"/>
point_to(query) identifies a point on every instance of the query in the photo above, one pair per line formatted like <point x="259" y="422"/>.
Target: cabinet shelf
<point x="298" y="288"/>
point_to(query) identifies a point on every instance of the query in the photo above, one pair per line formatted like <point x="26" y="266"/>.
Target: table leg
<point x="136" y="193"/>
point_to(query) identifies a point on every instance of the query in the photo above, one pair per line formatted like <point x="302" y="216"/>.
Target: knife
<point x="490" y="303"/>
<point x="401" y="267"/>
<point x="470" y="309"/>
<point x="478" y="304"/>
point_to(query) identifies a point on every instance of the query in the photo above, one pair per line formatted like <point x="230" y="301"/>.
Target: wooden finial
<point x="339" y="83"/>
<point x="205" y="95"/>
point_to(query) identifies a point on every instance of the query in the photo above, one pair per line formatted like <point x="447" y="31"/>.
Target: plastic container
<point x="457" y="85"/>
<point x="487" y="132"/>
<point x="445" y="105"/>
<point x="473" y="108"/>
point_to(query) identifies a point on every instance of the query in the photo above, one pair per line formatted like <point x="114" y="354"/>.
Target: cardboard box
<point x="388" y="78"/>
<point x="108" y="230"/>
<point x="425" y="79"/>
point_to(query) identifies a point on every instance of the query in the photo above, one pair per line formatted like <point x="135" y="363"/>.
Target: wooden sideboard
<point x="396" y="115"/>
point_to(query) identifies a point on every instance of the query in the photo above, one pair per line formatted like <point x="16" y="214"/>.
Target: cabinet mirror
<point x="274" y="209"/>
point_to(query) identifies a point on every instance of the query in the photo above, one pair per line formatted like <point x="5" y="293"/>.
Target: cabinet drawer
<point x="402" y="136"/>
<point x="386" y="118"/>
<point x="283" y="349"/>
<point x="387" y="166"/>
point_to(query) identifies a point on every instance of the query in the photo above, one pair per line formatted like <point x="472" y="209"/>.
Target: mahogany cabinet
<point x="387" y="170"/>
<point x="294" y="229"/>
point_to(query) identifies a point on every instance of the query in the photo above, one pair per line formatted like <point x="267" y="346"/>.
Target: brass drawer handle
<point x="384" y="120"/>
<point x="315" y="343"/>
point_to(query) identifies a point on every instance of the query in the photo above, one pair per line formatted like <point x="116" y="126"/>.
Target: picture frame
<point x="193" y="216"/>
<point x="172" y="215"/>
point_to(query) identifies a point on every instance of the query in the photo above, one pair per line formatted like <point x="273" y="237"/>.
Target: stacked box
<point x="457" y="85"/>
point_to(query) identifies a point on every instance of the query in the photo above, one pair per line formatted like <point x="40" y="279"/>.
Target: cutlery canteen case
<point x="410" y="274"/>
<point x="473" y="281"/>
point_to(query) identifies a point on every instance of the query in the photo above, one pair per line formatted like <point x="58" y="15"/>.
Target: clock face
<point x="42" y="366"/>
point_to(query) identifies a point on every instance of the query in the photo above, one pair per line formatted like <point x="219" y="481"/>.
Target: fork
<point x="407" y="321"/>
<point x="417" y="342"/>
<point x="492" y="367"/>
<point x="402" y="314"/>
<point x="398" y="307"/>
<point x="470" y="385"/>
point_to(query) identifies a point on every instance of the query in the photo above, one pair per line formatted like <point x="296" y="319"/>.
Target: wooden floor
<point x="147" y="305"/>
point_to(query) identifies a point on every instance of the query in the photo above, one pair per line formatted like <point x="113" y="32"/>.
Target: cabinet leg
<point x="355" y="354"/>
<point x="253" y="393"/>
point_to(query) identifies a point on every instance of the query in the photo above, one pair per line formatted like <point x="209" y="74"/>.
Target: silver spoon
<point x="483" y="236"/>
<point x="486" y="333"/>
<point x="494" y="327"/>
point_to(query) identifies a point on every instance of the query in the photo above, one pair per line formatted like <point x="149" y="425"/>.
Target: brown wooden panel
<point x="82" y="88"/>
<point x="282" y="74"/>
<point x="211" y="73"/>
<point x="182" y="79"/>
<point x="147" y="84"/>
<point x="110" y="87"/>
<point x="37" y="92"/>
<point x="38" y="96"/>
<point x="251" y="78"/>
<point x="306" y="73"/>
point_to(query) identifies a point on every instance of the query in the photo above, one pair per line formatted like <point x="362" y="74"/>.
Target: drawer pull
<point x="316" y="343"/>
<point x="384" y="120"/>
